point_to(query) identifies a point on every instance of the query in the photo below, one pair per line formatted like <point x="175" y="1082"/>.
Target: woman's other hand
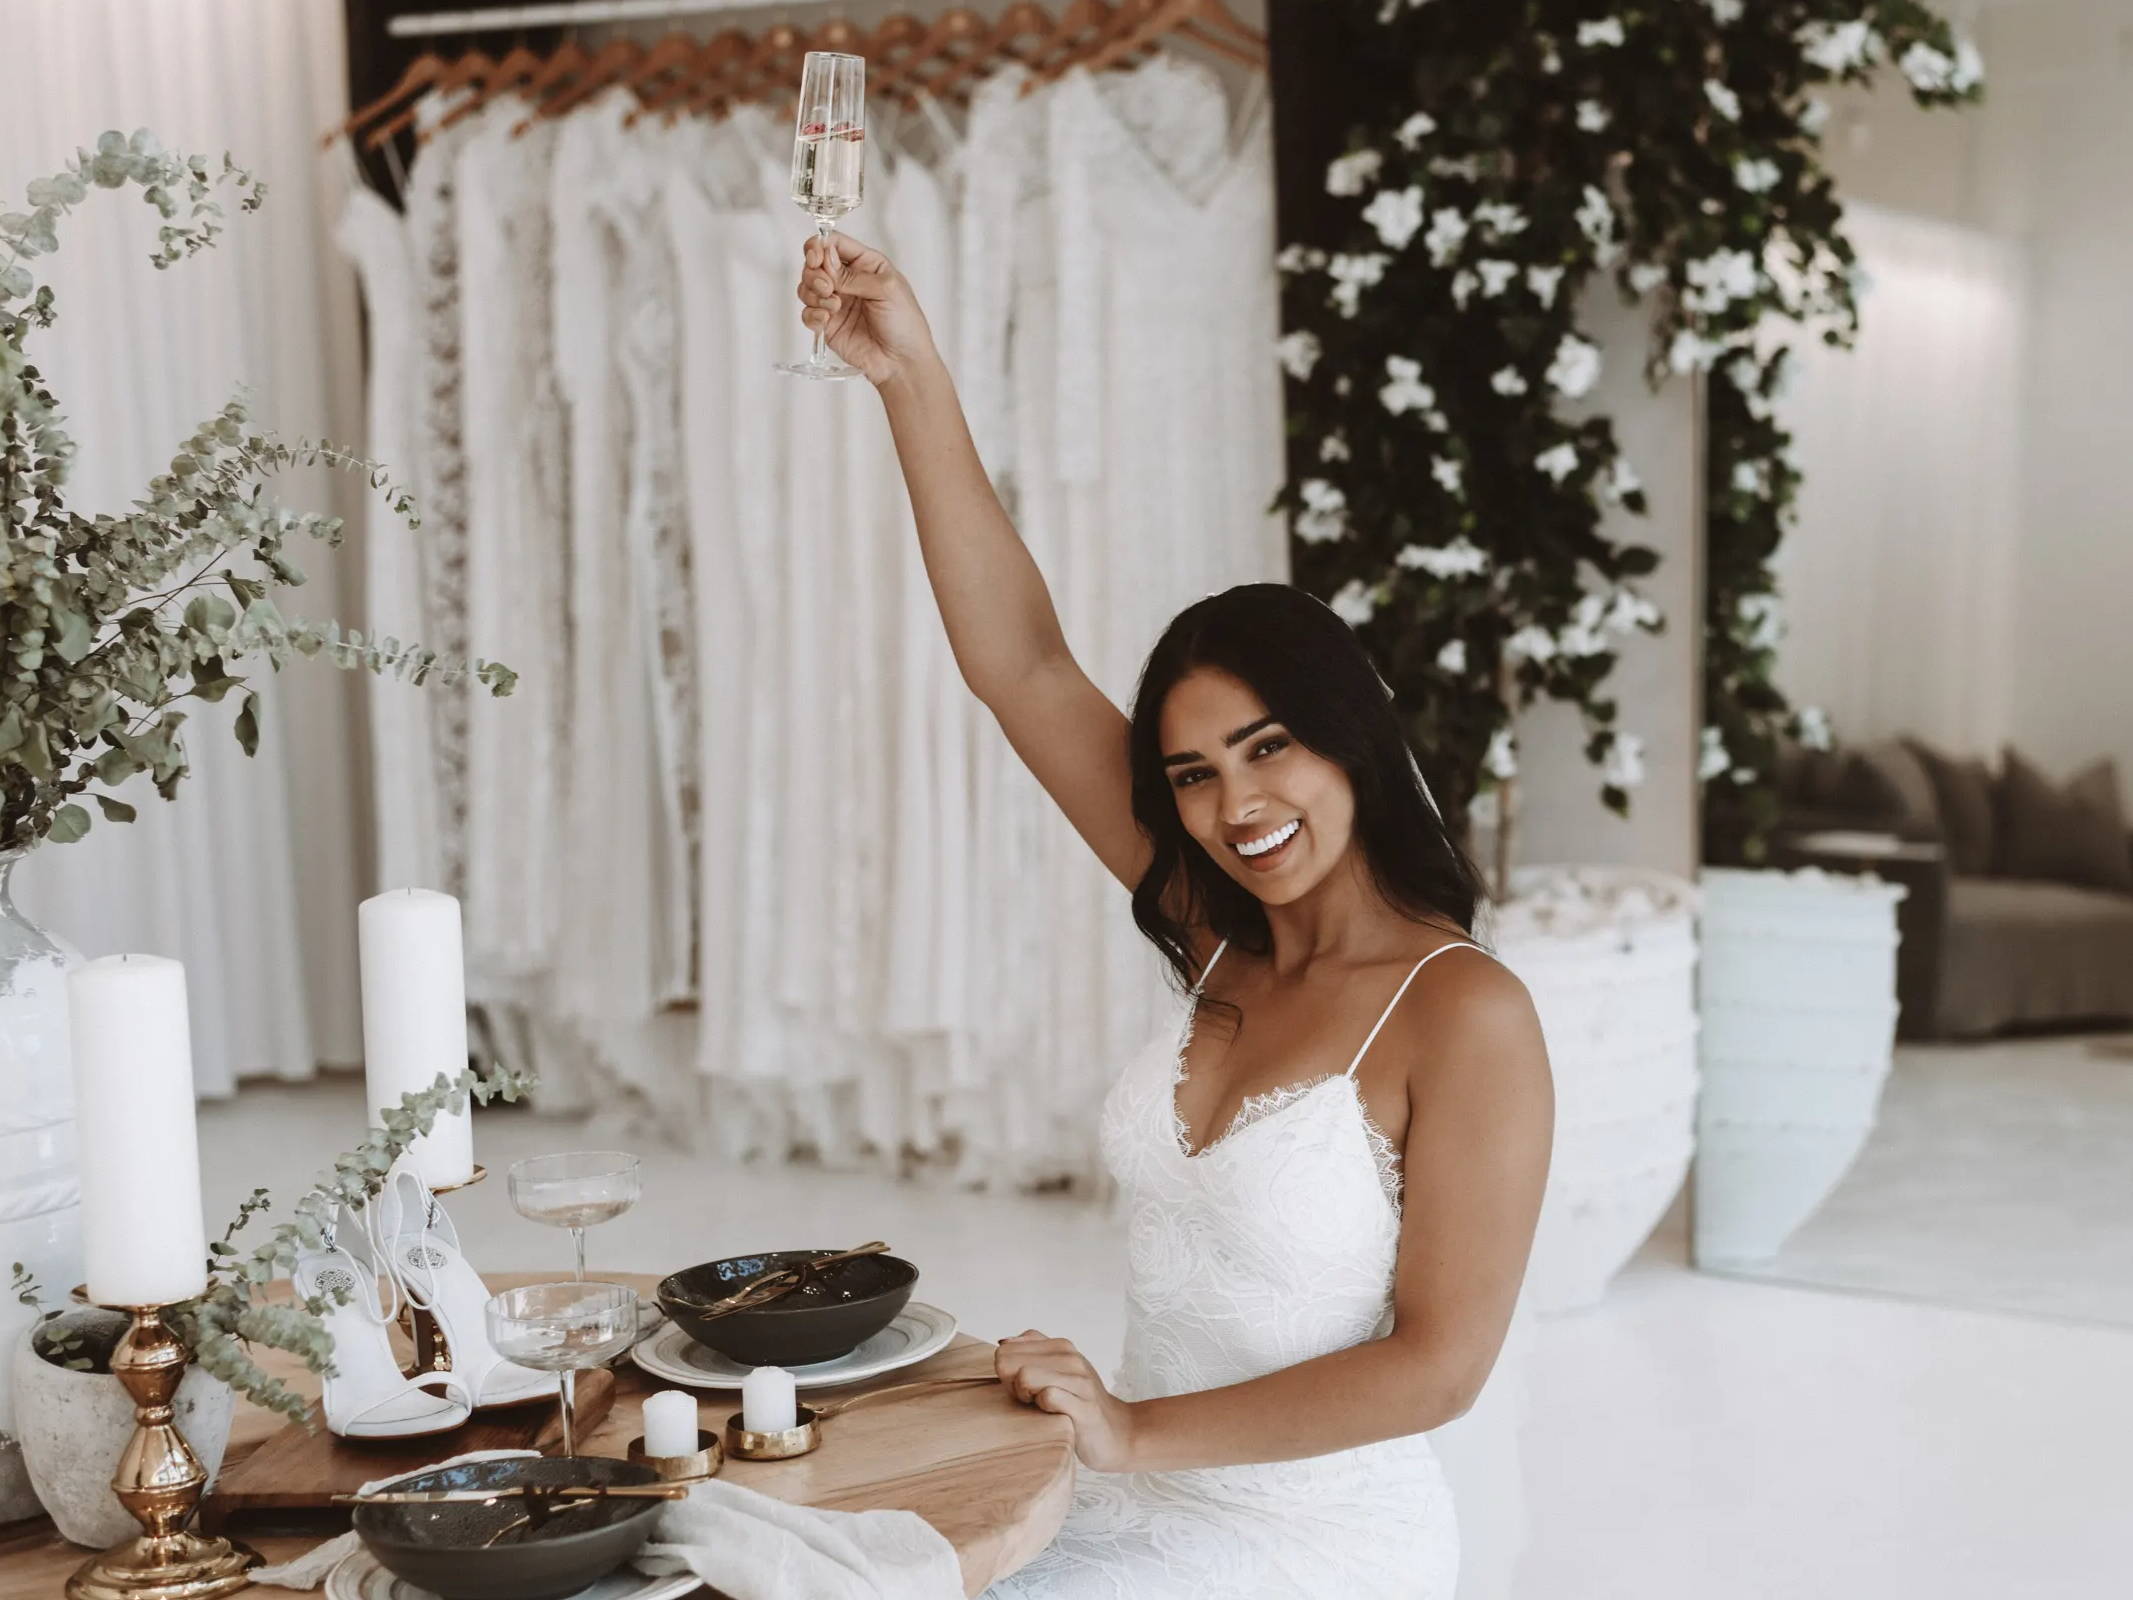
<point x="854" y="295"/>
<point x="1052" y="1375"/>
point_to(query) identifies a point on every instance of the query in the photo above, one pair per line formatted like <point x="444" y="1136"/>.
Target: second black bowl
<point x="850" y="1303"/>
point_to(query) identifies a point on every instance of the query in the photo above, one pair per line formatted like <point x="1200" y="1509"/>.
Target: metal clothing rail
<point x="559" y="13"/>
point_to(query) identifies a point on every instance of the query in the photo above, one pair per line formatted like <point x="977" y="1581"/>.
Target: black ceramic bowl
<point x="847" y="1305"/>
<point x="440" y="1547"/>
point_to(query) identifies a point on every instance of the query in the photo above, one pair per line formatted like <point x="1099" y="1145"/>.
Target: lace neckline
<point x="1260" y="1107"/>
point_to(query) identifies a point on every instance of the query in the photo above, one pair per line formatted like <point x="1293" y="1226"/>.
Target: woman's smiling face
<point x="1274" y="815"/>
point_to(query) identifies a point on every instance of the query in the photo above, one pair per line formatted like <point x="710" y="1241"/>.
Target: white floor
<point x="1693" y="1438"/>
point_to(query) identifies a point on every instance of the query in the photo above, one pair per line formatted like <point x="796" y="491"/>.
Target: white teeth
<point x="1259" y="847"/>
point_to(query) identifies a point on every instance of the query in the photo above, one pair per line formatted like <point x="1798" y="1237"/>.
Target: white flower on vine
<point x="1450" y="474"/>
<point x="1351" y="276"/>
<point x="1620" y="482"/>
<point x="1396" y="214"/>
<point x="1596" y="217"/>
<point x="1762" y="620"/>
<point x="1507" y="381"/>
<point x="1725" y="12"/>
<point x="1558" y="461"/>
<point x="1814" y="115"/>
<point x="1751" y="477"/>
<point x="1355" y="602"/>
<point x="1711" y="758"/>
<point x="1500" y="218"/>
<point x="1452" y="658"/>
<point x="1624" y="766"/>
<point x="1501" y="762"/>
<point x="1593" y="117"/>
<point x="1496" y="276"/>
<point x="1299" y="353"/>
<point x="1447" y="232"/>
<point x="1436" y="422"/>
<point x="1576" y="367"/>
<point x="1838" y="47"/>
<point x="1931" y="71"/>
<point x="1406" y="392"/>
<point x="1719" y="279"/>
<point x="1414" y="130"/>
<point x="1463" y="285"/>
<point x="1605" y="32"/>
<point x="1646" y="276"/>
<point x="1347" y="175"/>
<point x="1531" y="643"/>
<point x="1691" y="352"/>
<point x="1743" y="373"/>
<point x="1544" y="281"/>
<point x="1969" y="67"/>
<point x="1723" y="100"/>
<point x="1584" y="636"/>
<point x="1341" y="386"/>
<point x="1298" y="258"/>
<point x="1462" y="558"/>
<point x="1757" y="176"/>
<point x="1629" y="611"/>
<point x="1551" y="60"/>
<point x="1814" y="728"/>
<point x="1325" y="513"/>
<point x="1760" y="407"/>
<point x="1333" y="448"/>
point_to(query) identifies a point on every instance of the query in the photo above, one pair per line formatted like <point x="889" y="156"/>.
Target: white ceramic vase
<point x="1799" y="1006"/>
<point x="75" y="1425"/>
<point x="40" y="1194"/>
<point x="1609" y="956"/>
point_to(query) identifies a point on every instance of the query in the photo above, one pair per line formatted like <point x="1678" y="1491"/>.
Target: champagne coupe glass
<point x="828" y="160"/>
<point x="564" y="1328"/>
<point x="576" y="1190"/>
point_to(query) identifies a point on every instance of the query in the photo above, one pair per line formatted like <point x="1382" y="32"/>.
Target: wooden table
<point x="993" y="1476"/>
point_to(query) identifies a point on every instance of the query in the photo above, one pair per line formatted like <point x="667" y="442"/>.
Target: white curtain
<point x="1897" y="581"/>
<point x="249" y="876"/>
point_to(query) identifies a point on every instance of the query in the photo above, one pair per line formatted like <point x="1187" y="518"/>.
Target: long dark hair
<point x="1309" y="669"/>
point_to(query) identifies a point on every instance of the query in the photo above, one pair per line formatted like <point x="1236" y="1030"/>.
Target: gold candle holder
<point x="701" y="1463"/>
<point x="433" y="1352"/>
<point x="159" y="1480"/>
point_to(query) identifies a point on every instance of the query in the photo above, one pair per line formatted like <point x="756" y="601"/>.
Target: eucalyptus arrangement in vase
<point x="112" y="621"/>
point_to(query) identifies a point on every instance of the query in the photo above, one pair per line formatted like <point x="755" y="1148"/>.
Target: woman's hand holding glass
<point x="854" y="296"/>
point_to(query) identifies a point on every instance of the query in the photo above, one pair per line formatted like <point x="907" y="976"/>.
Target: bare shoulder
<point x="1467" y="1016"/>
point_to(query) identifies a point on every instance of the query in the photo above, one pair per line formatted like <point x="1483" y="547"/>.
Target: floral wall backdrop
<point x="1496" y="159"/>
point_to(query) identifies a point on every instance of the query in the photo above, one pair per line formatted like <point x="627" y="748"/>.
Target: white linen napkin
<point x="312" y="1568"/>
<point x="751" y="1547"/>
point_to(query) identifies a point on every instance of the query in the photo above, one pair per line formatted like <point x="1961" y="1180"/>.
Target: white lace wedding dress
<point x="1273" y="1245"/>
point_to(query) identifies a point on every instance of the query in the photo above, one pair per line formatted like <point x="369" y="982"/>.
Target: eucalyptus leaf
<point x="69" y="823"/>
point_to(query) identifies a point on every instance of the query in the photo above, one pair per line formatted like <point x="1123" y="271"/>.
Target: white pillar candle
<point x="415" y="1019"/>
<point x="670" y="1424"/>
<point x="768" y="1404"/>
<point x="142" y="1237"/>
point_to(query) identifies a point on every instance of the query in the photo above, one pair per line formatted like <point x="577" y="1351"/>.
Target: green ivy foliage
<point x="109" y="623"/>
<point x="1448" y="479"/>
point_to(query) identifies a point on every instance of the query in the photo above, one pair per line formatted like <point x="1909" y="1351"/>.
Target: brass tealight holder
<point x="701" y="1463"/>
<point x="159" y="1480"/>
<point x="805" y="1434"/>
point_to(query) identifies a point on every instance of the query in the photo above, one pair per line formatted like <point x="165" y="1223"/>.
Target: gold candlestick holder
<point x="433" y="1351"/>
<point x="159" y="1480"/>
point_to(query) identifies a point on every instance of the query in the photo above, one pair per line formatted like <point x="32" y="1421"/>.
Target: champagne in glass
<point x="565" y="1328"/>
<point x="828" y="168"/>
<point x="576" y="1190"/>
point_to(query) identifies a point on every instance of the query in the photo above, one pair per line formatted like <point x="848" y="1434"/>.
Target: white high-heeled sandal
<point x="367" y="1396"/>
<point x="421" y="1247"/>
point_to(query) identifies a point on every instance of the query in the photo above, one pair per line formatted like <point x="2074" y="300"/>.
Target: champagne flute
<point x="576" y="1190"/>
<point x="828" y="165"/>
<point x="563" y="1328"/>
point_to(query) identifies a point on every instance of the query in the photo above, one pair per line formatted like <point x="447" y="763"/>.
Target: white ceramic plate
<point x="359" y="1577"/>
<point x="919" y="1331"/>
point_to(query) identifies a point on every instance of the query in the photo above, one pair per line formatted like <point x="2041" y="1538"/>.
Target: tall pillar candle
<point x="143" y="1240"/>
<point x="415" y="1019"/>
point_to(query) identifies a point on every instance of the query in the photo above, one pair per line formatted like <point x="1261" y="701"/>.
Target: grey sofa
<point x="2019" y="913"/>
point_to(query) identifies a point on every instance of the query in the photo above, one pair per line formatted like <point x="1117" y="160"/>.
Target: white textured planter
<point x="1609" y="956"/>
<point x="74" y="1426"/>
<point x="1799" y="1006"/>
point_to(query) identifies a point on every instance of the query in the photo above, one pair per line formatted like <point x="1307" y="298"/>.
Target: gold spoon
<point x="776" y="1285"/>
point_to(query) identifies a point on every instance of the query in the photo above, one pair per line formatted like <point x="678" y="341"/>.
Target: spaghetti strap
<point x="1210" y="967"/>
<point x="1385" y="1016"/>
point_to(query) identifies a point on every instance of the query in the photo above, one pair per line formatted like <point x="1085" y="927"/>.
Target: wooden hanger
<point x="421" y="72"/>
<point x="518" y="66"/>
<point x="780" y="45"/>
<point x="614" y="62"/>
<point x="673" y="68"/>
<point x="1017" y="36"/>
<point x="957" y="32"/>
<point x="1083" y="26"/>
<point x="471" y="68"/>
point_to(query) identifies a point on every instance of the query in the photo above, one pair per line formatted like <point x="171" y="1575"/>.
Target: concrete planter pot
<point x="1609" y="956"/>
<point x="73" y="1426"/>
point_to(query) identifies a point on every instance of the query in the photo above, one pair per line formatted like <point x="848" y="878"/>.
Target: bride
<point x="1333" y="1170"/>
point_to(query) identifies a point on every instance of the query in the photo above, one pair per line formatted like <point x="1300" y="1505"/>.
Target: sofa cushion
<point x="2020" y="952"/>
<point x="2075" y="834"/>
<point x="1887" y="779"/>
<point x="1963" y="787"/>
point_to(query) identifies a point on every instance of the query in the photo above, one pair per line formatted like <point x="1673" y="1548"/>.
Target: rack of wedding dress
<point x="741" y="852"/>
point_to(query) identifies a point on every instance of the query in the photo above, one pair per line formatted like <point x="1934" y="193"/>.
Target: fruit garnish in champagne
<point x="828" y="166"/>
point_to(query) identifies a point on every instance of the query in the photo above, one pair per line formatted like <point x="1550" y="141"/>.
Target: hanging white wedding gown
<point x="1272" y="1246"/>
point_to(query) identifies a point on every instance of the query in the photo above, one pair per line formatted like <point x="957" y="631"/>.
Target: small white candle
<point x="142" y="1237"/>
<point x="415" y="1019"/>
<point x="670" y="1426"/>
<point x="768" y="1404"/>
